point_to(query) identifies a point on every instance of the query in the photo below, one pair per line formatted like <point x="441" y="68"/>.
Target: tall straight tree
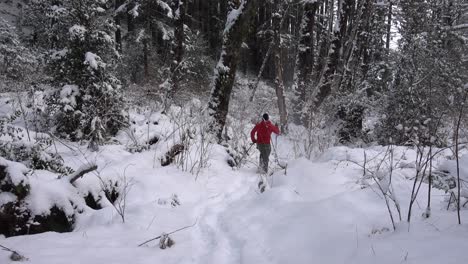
<point x="335" y="60"/>
<point x="178" y="51"/>
<point x="279" y="82"/>
<point x="240" y="12"/>
<point x="117" y="20"/>
<point x="305" y="60"/>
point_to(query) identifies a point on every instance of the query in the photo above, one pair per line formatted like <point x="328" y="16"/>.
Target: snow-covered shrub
<point x="32" y="150"/>
<point x="6" y="127"/>
<point x="16" y="61"/>
<point x="13" y="180"/>
<point x="34" y="155"/>
<point x="30" y="205"/>
<point x="81" y="58"/>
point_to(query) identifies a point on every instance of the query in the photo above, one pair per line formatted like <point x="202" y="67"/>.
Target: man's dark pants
<point x="265" y="150"/>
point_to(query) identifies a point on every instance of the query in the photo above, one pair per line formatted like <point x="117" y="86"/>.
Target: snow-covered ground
<point x="316" y="211"/>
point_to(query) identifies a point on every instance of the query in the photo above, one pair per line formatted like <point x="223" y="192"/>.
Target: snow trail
<point x="233" y="226"/>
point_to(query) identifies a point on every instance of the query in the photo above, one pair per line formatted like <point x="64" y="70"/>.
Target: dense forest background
<point x="372" y="70"/>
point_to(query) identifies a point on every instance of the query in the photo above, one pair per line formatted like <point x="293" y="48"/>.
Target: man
<point x="261" y="134"/>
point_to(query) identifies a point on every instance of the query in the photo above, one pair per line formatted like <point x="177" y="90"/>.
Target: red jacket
<point x="263" y="131"/>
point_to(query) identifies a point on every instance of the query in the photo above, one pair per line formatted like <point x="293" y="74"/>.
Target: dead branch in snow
<point x="166" y="234"/>
<point x="15" y="256"/>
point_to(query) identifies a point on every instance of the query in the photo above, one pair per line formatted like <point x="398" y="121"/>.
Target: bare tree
<point x="457" y="150"/>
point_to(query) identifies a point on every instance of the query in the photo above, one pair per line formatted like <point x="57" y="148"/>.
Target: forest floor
<point x="316" y="211"/>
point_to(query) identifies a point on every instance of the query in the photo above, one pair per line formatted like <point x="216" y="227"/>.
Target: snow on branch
<point x="164" y="6"/>
<point x="82" y="171"/>
<point x="233" y="15"/>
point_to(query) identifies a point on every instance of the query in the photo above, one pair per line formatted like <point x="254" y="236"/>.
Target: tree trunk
<point x="179" y="18"/>
<point x="389" y="26"/>
<point x="279" y="82"/>
<point x="305" y="61"/>
<point x="356" y="24"/>
<point x="145" y="60"/>
<point x="118" y="31"/>
<point x="335" y="60"/>
<point x="225" y="71"/>
<point x="326" y="38"/>
<point x="130" y="18"/>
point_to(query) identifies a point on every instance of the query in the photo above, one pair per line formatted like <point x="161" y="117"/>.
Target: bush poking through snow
<point x="111" y="191"/>
<point x="153" y="140"/>
<point x="171" y="154"/>
<point x="382" y="173"/>
<point x="165" y="241"/>
<point x="92" y="202"/>
<point x="120" y="204"/>
<point x="379" y="231"/>
<point x="174" y="201"/>
<point x="15" y="256"/>
<point x="192" y="133"/>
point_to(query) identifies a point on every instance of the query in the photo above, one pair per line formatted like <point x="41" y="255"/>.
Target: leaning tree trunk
<point x="279" y="82"/>
<point x="225" y="71"/>
<point x="305" y="61"/>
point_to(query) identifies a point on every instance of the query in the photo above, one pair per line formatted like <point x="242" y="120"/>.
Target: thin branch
<point x="158" y="237"/>
<point x="15" y="256"/>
